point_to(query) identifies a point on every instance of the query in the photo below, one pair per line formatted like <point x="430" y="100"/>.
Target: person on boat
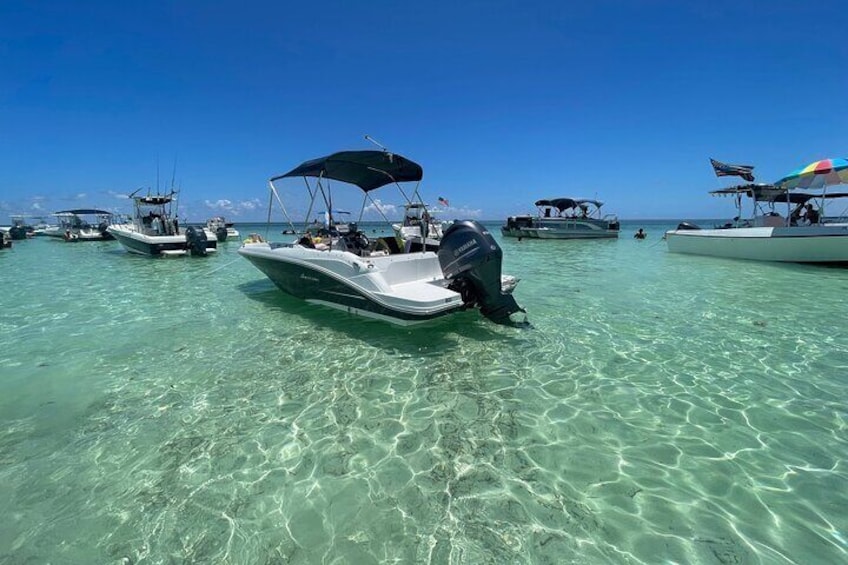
<point x="795" y="217"/>
<point x="812" y="214"/>
<point x="640" y="234"/>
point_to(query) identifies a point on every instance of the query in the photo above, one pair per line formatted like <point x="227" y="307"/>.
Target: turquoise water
<point x="661" y="409"/>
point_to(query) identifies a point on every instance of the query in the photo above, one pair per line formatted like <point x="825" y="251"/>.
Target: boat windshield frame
<point x="368" y="170"/>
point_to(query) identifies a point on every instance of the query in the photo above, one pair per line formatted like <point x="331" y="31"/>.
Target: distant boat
<point x="153" y="231"/>
<point x="767" y="234"/>
<point x="417" y="218"/>
<point x="222" y="229"/>
<point x="83" y="224"/>
<point x="21" y="228"/>
<point x="564" y="218"/>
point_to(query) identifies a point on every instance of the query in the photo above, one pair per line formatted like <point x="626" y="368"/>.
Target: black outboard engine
<point x="221" y="234"/>
<point x="471" y="259"/>
<point x="196" y="241"/>
<point x="18" y="232"/>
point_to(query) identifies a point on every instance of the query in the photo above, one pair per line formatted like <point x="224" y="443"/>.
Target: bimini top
<point x="157" y="200"/>
<point x="758" y="190"/>
<point x="82" y="212"/>
<point x="566" y="203"/>
<point x="366" y="169"/>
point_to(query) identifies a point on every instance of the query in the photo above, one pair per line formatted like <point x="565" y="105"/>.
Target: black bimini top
<point x="566" y="203"/>
<point x="82" y="212"/>
<point x="366" y="169"/>
<point x="772" y="193"/>
<point x="153" y="200"/>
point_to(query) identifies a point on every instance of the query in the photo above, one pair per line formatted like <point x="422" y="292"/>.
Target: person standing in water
<point x="640" y="234"/>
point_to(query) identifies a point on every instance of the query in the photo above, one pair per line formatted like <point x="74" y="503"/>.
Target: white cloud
<point x="81" y="196"/>
<point x="222" y="204"/>
<point x="248" y="205"/>
<point x="378" y="206"/>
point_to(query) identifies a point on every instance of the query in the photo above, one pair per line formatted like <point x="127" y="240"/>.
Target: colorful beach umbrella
<point x="819" y="174"/>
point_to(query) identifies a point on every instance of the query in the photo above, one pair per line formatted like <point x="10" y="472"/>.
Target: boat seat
<point x="774" y="222"/>
<point x="389" y="243"/>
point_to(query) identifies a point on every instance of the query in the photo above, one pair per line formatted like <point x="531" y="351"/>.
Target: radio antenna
<point x="377" y="143"/>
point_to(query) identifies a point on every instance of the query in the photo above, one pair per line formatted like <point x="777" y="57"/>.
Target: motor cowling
<point x="471" y="259"/>
<point x="221" y="234"/>
<point x="196" y="240"/>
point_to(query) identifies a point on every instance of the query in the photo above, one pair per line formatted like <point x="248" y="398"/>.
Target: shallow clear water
<point x="661" y="408"/>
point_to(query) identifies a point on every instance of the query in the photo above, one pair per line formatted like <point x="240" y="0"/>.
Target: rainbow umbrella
<point x="822" y="173"/>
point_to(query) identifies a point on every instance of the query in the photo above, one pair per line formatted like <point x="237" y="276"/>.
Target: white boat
<point x="23" y="227"/>
<point x="775" y="231"/>
<point x="222" y="229"/>
<point x="345" y="270"/>
<point x="564" y="218"/>
<point x="417" y="217"/>
<point x="83" y="224"/>
<point x="153" y="231"/>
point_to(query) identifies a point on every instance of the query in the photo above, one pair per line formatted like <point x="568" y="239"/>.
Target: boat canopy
<point x="566" y="203"/>
<point x="153" y="200"/>
<point x="760" y="191"/>
<point x="82" y="212"/>
<point x="772" y="193"/>
<point x="366" y="169"/>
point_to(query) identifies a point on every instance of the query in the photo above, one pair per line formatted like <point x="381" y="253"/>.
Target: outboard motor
<point x="221" y="233"/>
<point x="196" y="241"/>
<point x="18" y="232"/>
<point x="471" y="259"/>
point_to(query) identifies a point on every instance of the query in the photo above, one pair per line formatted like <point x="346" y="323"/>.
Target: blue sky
<point x="501" y="102"/>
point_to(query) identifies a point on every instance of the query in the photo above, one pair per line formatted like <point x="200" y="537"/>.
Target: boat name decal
<point x="313" y="279"/>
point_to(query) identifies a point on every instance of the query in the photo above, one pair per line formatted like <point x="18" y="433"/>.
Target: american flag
<point x="725" y="170"/>
<point x="444" y="201"/>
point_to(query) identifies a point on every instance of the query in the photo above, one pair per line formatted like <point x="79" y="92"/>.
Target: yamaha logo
<point x="464" y="247"/>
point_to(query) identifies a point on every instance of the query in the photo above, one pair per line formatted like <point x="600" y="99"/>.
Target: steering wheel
<point x="362" y="240"/>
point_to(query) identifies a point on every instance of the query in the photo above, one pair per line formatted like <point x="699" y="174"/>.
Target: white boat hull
<point x="78" y="234"/>
<point x="798" y="244"/>
<point x="565" y="228"/>
<point x="141" y="243"/>
<point x="403" y="289"/>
